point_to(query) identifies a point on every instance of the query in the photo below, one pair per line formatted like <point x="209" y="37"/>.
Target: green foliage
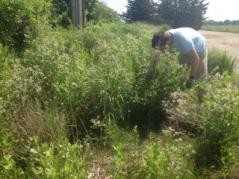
<point x="60" y="13"/>
<point x="211" y="109"/>
<point x="19" y="22"/>
<point x="102" y="13"/>
<point x="171" y="161"/>
<point x="42" y="160"/>
<point x="220" y="62"/>
<point x="5" y="94"/>
<point x="92" y="74"/>
<point x="56" y="160"/>
<point x="166" y="158"/>
<point x="93" y="83"/>
<point x="7" y="163"/>
<point x="90" y="7"/>
<point x="220" y="123"/>
<point x="140" y="10"/>
<point x="152" y="87"/>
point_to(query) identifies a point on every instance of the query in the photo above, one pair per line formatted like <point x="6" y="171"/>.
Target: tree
<point x="181" y="13"/>
<point x="60" y="13"/>
<point x="19" y="22"/>
<point x="101" y="13"/>
<point x="90" y="6"/>
<point x="97" y="11"/>
<point x="140" y="10"/>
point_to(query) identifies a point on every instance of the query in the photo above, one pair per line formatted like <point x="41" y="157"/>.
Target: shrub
<point x="60" y="13"/>
<point x="8" y="166"/>
<point x="165" y="158"/>
<point x="152" y="87"/>
<point x="19" y="22"/>
<point x="220" y="123"/>
<point x="107" y="71"/>
<point x="56" y="160"/>
<point x="220" y="62"/>
<point x="168" y="160"/>
<point x="214" y="117"/>
<point x="43" y="160"/>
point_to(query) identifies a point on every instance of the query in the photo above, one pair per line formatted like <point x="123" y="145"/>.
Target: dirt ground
<point x="224" y="41"/>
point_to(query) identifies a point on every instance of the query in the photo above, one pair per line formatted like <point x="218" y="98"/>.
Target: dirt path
<point x="225" y="41"/>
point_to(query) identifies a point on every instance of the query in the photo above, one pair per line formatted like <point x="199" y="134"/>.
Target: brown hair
<point x="158" y="39"/>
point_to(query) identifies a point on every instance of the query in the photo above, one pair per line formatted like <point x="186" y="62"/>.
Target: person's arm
<point x="193" y="61"/>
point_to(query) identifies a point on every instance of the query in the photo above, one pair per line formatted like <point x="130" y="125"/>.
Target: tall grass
<point x="67" y="79"/>
<point x="220" y="62"/>
<point x="214" y="119"/>
<point x="74" y="94"/>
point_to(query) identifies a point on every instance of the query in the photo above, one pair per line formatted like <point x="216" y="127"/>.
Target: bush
<point x="151" y="88"/>
<point x="43" y="160"/>
<point x="60" y="13"/>
<point x="56" y="160"/>
<point x="214" y="116"/>
<point x="19" y="22"/>
<point x="165" y="158"/>
<point x="8" y="166"/>
<point x="220" y="123"/>
<point x="125" y="60"/>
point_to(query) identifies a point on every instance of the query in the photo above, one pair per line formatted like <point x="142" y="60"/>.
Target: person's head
<point x="159" y="40"/>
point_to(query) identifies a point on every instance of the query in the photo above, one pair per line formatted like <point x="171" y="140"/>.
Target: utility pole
<point x="77" y="13"/>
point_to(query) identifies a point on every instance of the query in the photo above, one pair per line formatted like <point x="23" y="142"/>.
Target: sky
<point x="218" y="10"/>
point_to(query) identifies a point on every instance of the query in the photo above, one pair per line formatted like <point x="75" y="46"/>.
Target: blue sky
<point x="217" y="9"/>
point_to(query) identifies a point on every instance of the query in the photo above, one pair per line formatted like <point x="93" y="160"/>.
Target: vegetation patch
<point x="99" y="102"/>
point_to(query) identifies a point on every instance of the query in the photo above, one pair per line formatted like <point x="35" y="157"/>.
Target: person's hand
<point x="190" y="82"/>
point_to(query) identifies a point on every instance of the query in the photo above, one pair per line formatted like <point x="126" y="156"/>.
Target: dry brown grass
<point x="31" y="119"/>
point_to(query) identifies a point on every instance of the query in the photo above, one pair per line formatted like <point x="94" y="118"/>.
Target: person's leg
<point x="202" y="74"/>
<point x="205" y="62"/>
<point x="202" y="69"/>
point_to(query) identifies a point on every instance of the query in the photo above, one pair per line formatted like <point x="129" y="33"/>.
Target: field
<point x="222" y="28"/>
<point x="223" y="41"/>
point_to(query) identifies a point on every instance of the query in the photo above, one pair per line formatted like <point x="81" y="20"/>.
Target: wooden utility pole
<point x="77" y="13"/>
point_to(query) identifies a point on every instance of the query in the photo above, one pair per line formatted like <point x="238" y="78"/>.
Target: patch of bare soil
<point x="225" y="41"/>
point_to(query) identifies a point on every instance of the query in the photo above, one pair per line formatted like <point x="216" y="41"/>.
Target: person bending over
<point x="190" y="44"/>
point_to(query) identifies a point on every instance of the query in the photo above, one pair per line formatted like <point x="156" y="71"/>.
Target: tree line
<point x="94" y="10"/>
<point x="225" y="22"/>
<point x="177" y="13"/>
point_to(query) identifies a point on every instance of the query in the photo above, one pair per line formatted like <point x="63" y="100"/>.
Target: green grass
<point x="221" y="62"/>
<point x="221" y="28"/>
